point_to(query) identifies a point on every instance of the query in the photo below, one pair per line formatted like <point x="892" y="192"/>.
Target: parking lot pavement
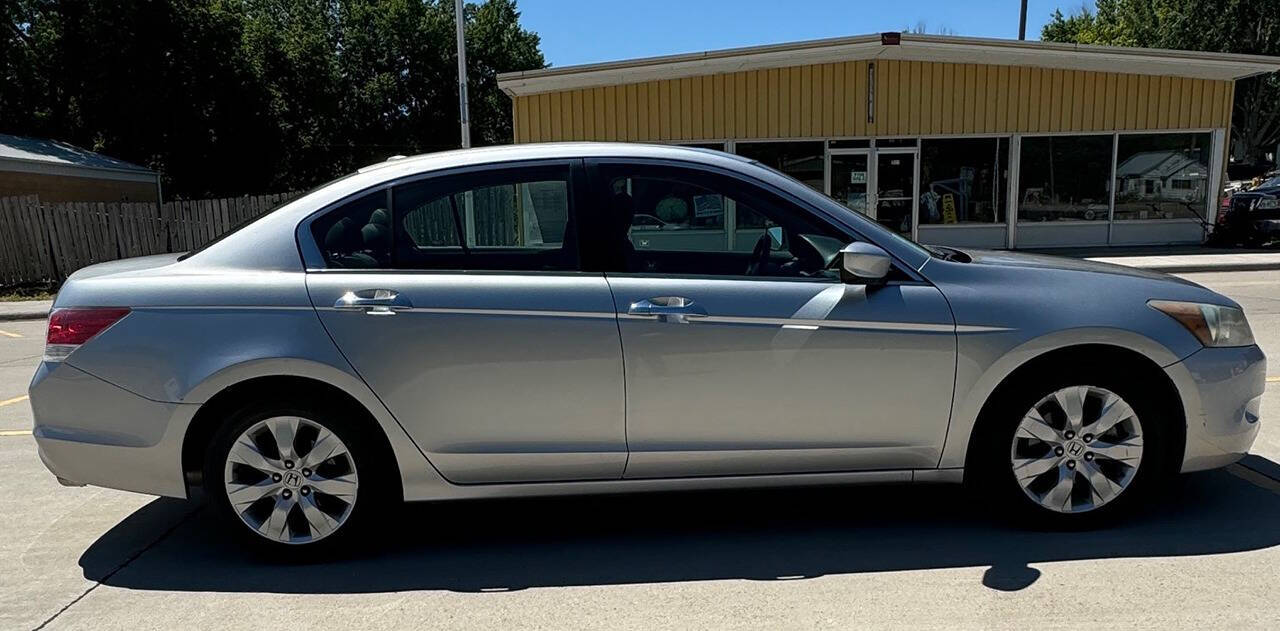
<point x="21" y="344"/>
<point x="919" y="557"/>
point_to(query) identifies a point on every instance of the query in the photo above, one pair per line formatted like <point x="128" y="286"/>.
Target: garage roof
<point x="913" y="47"/>
<point x="50" y="157"/>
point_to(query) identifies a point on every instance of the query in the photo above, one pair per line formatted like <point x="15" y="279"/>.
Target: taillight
<point x="69" y="328"/>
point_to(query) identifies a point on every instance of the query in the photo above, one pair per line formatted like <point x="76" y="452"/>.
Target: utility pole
<point x="1022" y="21"/>
<point x="462" y="73"/>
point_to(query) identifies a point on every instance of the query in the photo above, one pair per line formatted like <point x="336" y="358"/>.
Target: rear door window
<point x="357" y="234"/>
<point x="502" y="219"/>
<point x="515" y="219"/>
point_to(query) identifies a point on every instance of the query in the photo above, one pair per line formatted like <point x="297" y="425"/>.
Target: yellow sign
<point x="949" y="209"/>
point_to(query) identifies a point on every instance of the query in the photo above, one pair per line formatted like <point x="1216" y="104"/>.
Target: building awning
<point x="50" y="157"/>
<point x="912" y="47"/>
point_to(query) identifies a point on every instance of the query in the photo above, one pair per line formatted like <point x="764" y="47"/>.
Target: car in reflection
<point x="1251" y="217"/>
<point x="483" y="323"/>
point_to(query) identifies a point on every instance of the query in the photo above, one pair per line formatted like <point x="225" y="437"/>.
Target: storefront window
<point x="1162" y="176"/>
<point x="895" y="142"/>
<point x="1065" y="178"/>
<point x="855" y="143"/>
<point x="801" y="160"/>
<point x="963" y="180"/>
<point x="718" y="146"/>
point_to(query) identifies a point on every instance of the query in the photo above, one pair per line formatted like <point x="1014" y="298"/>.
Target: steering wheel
<point x="759" y="255"/>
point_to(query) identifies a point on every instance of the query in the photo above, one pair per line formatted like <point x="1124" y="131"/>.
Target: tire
<point x="1026" y="466"/>
<point x="296" y="507"/>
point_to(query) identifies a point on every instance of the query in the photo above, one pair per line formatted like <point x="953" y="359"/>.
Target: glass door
<point x="850" y="180"/>
<point x="895" y="179"/>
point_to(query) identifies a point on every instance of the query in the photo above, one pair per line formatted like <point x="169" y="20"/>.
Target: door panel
<point x="497" y="377"/>
<point x="784" y="376"/>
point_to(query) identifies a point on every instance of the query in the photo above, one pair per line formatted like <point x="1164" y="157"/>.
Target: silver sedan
<point x="500" y="322"/>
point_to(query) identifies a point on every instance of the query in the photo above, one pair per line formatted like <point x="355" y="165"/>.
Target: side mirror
<point x="864" y="263"/>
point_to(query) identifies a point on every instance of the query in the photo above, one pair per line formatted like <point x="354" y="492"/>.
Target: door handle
<point x="373" y="301"/>
<point x="668" y="309"/>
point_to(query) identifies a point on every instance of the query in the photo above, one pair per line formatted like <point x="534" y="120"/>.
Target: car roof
<point x="544" y="151"/>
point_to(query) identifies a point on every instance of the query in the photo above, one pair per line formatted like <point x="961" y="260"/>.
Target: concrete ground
<point x="891" y="557"/>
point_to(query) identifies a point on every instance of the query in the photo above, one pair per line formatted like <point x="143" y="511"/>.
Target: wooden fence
<point x="45" y="242"/>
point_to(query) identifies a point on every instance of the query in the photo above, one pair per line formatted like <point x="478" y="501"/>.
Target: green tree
<point x="246" y="96"/>
<point x="1229" y="26"/>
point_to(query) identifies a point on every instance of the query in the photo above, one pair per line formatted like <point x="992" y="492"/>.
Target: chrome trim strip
<point x="223" y="308"/>
<point x="536" y="313"/>
<point x="786" y="323"/>
<point x="977" y="328"/>
<point x="811" y="324"/>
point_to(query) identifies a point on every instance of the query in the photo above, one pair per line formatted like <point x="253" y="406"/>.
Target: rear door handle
<point x="373" y="301"/>
<point x="676" y="309"/>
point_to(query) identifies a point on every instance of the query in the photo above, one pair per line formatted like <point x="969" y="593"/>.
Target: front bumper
<point x="1221" y="390"/>
<point x="1267" y="227"/>
<point x="89" y="431"/>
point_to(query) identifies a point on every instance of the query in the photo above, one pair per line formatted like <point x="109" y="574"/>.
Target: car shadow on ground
<point x="505" y="545"/>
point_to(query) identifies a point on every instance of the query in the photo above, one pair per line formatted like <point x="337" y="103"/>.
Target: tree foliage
<point x="247" y="96"/>
<point x="1229" y="26"/>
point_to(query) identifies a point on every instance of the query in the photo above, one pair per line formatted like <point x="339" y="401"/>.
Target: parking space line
<point x="10" y="333"/>
<point x="14" y="400"/>
<point x="15" y="432"/>
<point x="1273" y="379"/>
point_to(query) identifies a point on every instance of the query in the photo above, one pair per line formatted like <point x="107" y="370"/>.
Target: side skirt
<point x="542" y="489"/>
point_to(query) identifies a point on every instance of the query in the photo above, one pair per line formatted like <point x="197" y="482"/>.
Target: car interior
<point x="695" y="241"/>
<point x="356" y="236"/>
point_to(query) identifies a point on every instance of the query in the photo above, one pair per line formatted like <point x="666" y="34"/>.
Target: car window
<point x="671" y="220"/>
<point x="357" y="234"/>
<point x="505" y="220"/>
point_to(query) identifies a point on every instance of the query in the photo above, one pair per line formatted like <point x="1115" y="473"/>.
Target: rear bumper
<point x="89" y="431"/>
<point x="1221" y="391"/>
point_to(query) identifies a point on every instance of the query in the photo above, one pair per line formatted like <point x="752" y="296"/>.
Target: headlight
<point x="1268" y="203"/>
<point x="1213" y="325"/>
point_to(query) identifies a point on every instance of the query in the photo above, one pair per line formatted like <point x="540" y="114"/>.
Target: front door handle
<point x="676" y="309"/>
<point x="373" y="301"/>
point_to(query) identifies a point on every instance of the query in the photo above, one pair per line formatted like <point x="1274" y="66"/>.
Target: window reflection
<point x="801" y="160"/>
<point x="1162" y="176"/>
<point x="1065" y="178"/>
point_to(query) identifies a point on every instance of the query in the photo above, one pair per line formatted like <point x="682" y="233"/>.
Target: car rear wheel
<point x="1076" y="450"/>
<point x="291" y="478"/>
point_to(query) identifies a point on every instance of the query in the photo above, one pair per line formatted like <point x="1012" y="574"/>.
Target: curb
<point x="1192" y="268"/>
<point x="24" y="315"/>
<point x="1188" y="266"/>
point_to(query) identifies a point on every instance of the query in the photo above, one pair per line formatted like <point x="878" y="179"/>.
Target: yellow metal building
<point x="951" y="140"/>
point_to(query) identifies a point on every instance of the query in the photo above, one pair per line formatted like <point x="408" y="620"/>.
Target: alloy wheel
<point x="1077" y="449"/>
<point x="290" y="480"/>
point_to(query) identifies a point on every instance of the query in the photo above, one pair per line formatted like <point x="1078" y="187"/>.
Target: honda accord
<point x="487" y="323"/>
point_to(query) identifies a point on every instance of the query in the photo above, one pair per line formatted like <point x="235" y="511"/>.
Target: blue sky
<point x="587" y="31"/>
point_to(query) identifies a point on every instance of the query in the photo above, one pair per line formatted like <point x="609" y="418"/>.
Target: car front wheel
<point x="1074" y="452"/>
